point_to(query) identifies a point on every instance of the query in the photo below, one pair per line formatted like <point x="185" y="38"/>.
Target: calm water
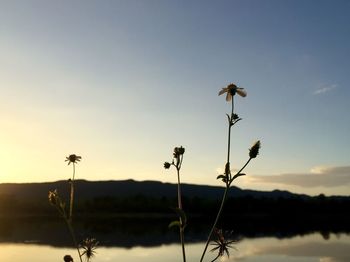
<point x="38" y="241"/>
<point x="310" y="248"/>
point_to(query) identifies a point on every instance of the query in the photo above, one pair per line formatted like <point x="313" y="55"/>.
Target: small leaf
<point x="237" y="175"/>
<point x="221" y="177"/>
<point x="175" y="223"/>
<point x="228" y="118"/>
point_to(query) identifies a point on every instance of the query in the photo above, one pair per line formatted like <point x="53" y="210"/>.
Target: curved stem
<point x="216" y="221"/>
<point x="71" y="231"/>
<point x="216" y="257"/>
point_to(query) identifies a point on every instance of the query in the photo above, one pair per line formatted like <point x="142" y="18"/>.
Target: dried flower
<point x="67" y="258"/>
<point x="53" y="197"/>
<point x="56" y="201"/>
<point x="254" y="150"/>
<point x="73" y="159"/>
<point x="89" y="246"/>
<point x="167" y="165"/>
<point x="231" y="90"/>
<point x="221" y="244"/>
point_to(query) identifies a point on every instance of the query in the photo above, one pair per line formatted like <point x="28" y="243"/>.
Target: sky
<point x="121" y="83"/>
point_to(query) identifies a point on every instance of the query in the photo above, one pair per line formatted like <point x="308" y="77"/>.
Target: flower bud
<point x="254" y="150"/>
<point x="67" y="258"/>
<point x="178" y="151"/>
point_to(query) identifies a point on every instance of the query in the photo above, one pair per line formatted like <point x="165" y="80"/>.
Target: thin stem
<point x="71" y="195"/>
<point x="182" y="237"/>
<point x="216" y="221"/>
<point x="229" y="131"/>
<point x="71" y="231"/>
<point x="239" y="172"/>
<point x="216" y="257"/>
<point x="179" y="202"/>
<point x="228" y="180"/>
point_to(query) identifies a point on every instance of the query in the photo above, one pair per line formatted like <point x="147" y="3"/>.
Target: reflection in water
<point x="310" y="248"/>
<point x="131" y="240"/>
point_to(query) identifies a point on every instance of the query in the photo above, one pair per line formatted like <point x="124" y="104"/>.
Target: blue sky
<point x="121" y="83"/>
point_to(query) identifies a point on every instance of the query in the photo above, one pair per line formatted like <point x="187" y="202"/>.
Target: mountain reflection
<point x="153" y="231"/>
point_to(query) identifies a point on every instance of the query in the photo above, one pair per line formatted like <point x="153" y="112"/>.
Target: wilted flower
<point x="73" y="159"/>
<point x="53" y="197"/>
<point x="231" y="90"/>
<point x="254" y="150"/>
<point x="56" y="201"/>
<point x="89" y="246"/>
<point x="167" y="165"/>
<point x="67" y="258"/>
<point x="221" y="244"/>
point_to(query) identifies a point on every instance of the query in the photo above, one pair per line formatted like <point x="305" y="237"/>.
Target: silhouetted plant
<point x="181" y="223"/>
<point x="74" y="159"/>
<point x="89" y="245"/>
<point x="231" y="90"/>
<point x="222" y="245"/>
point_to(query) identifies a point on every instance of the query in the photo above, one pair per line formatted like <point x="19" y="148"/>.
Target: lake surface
<point x="37" y="241"/>
<point x="309" y="248"/>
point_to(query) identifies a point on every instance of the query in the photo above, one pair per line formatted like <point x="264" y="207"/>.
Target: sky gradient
<point x="121" y="83"/>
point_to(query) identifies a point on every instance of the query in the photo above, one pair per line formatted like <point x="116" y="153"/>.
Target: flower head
<point x="231" y="90"/>
<point x="89" y="246"/>
<point x="221" y="244"/>
<point x="73" y="159"/>
<point x="254" y="150"/>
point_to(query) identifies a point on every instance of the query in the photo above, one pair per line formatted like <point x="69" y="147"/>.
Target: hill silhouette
<point x="124" y="188"/>
<point x="130" y="196"/>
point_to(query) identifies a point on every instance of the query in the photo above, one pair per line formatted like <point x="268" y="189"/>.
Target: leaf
<point x="228" y="118"/>
<point x="221" y="177"/>
<point x="175" y="223"/>
<point x="237" y="175"/>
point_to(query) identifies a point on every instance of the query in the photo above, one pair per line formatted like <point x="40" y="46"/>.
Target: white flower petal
<point x="224" y="90"/>
<point x="241" y="92"/>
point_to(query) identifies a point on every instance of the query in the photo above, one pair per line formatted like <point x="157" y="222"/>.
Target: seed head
<point x="167" y="165"/>
<point x="89" y="248"/>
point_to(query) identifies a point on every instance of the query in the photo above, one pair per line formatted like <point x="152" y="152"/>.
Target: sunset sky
<point x="121" y="83"/>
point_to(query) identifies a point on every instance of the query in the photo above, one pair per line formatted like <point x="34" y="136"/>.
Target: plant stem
<point x="228" y="180"/>
<point x="216" y="221"/>
<point x="71" y="231"/>
<point x="229" y="133"/>
<point x="182" y="237"/>
<point x="71" y="195"/>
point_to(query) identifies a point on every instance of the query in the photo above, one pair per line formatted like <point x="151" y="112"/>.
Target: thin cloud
<point x="325" y="89"/>
<point x="317" y="177"/>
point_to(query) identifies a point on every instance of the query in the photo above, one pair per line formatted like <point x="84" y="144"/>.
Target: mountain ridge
<point x="119" y="188"/>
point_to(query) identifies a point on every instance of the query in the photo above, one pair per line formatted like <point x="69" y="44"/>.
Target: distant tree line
<point x="236" y="206"/>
